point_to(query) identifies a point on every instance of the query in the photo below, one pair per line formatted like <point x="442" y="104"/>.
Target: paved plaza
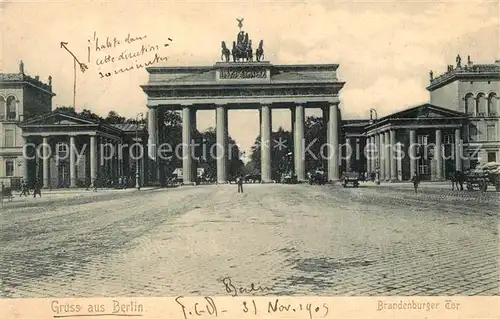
<point x="287" y="239"/>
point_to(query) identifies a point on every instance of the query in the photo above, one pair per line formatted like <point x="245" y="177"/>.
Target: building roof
<point x="466" y="71"/>
<point x="129" y="127"/>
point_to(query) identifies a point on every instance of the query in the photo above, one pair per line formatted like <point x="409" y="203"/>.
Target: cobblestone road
<point x="293" y="239"/>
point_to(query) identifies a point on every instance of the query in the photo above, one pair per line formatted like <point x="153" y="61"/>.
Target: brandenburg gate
<point x="242" y="82"/>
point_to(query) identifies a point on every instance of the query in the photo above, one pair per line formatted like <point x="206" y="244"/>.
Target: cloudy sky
<point x="385" y="49"/>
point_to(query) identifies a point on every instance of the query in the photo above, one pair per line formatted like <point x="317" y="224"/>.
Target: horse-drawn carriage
<point x="350" y="178"/>
<point x="484" y="176"/>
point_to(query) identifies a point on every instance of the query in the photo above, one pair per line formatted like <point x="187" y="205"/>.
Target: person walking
<point x="37" y="189"/>
<point x="24" y="189"/>
<point x="416" y="180"/>
<point x="239" y="181"/>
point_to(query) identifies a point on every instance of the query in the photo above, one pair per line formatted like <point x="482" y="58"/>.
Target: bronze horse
<point x="241" y="52"/>
<point x="225" y="52"/>
<point x="259" y="53"/>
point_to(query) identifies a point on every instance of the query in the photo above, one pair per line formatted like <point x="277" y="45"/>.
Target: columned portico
<point x="426" y="145"/>
<point x="221" y="130"/>
<point x="298" y="138"/>
<point x="266" y="143"/>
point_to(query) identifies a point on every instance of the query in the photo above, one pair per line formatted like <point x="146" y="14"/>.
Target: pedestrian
<point x="416" y="180"/>
<point x="24" y="189"/>
<point x="37" y="189"/>
<point x="239" y="181"/>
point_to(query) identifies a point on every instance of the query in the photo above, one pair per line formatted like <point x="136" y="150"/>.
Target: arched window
<point x="11" y="108"/>
<point x="492" y="104"/>
<point x="481" y="104"/>
<point x="469" y="104"/>
<point x="2" y="108"/>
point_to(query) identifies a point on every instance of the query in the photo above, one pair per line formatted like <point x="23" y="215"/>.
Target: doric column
<point x="194" y="169"/>
<point x="393" y="156"/>
<point x="438" y="154"/>
<point x="368" y="154"/>
<point x="152" y="141"/>
<point x="333" y="133"/>
<point x="187" y="165"/>
<point x="348" y="154"/>
<point x="399" y="161"/>
<point x="72" y="161"/>
<point x="376" y="160"/>
<point x="221" y="144"/>
<point x="458" y="151"/>
<point x="382" y="157"/>
<point x="226" y="140"/>
<point x="153" y="133"/>
<point x="45" y="163"/>
<point x="387" y="156"/>
<point x="300" y="161"/>
<point x="413" y="153"/>
<point x="294" y="160"/>
<point x="265" y="145"/>
<point x="25" y="160"/>
<point x="93" y="159"/>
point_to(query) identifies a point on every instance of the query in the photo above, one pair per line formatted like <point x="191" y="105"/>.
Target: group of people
<point x="37" y="188"/>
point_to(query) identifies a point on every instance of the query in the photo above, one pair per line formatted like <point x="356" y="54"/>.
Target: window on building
<point x="11" y="108"/>
<point x="492" y="105"/>
<point x="9" y="138"/>
<point x="62" y="150"/>
<point x="472" y="132"/>
<point x="491" y="132"/>
<point x="469" y="104"/>
<point x="9" y="167"/>
<point x="481" y="105"/>
<point x="492" y="157"/>
<point x="2" y="108"/>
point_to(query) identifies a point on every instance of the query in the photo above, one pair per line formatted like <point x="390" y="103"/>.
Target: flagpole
<point x="74" y="84"/>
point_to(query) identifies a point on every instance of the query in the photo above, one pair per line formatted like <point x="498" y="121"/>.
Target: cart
<point x="350" y="178"/>
<point x="484" y="176"/>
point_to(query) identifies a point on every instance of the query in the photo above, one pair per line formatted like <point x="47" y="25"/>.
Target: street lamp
<point x="137" y="184"/>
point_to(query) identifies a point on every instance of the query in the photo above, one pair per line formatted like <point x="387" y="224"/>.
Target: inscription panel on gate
<point x="242" y="73"/>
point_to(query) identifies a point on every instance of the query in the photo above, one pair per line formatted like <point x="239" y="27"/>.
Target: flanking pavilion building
<point x="458" y="130"/>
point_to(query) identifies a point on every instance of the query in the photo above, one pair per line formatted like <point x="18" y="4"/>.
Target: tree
<point x="90" y="115"/>
<point x="114" y="118"/>
<point x="282" y="160"/>
<point x="315" y="137"/>
<point x="66" y="110"/>
<point x="281" y="147"/>
<point x="207" y="153"/>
